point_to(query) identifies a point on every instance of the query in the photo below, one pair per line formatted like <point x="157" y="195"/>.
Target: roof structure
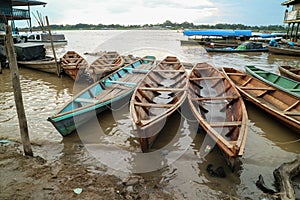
<point x="27" y="3"/>
<point x="290" y="2"/>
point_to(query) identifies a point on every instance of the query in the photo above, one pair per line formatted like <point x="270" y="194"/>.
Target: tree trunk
<point x="283" y="176"/>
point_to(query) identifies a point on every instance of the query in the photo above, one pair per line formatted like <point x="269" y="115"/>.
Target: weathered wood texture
<point x="18" y="93"/>
<point x="283" y="176"/>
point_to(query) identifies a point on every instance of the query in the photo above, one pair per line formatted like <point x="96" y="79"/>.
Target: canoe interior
<point x="71" y="62"/>
<point x="280" y="104"/>
<point x="157" y="96"/>
<point x="105" y="64"/>
<point x="219" y="108"/>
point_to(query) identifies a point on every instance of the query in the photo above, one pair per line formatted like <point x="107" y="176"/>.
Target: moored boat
<point x="99" y="96"/>
<point x="158" y="95"/>
<point x="280" y="104"/>
<point x="283" y="83"/>
<point x="285" y="50"/>
<point x="290" y="72"/>
<point x="71" y="62"/>
<point x="219" y="109"/>
<point x="245" y="47"/>
<point x="105" y="64"/>
<point x="47" y="64"/>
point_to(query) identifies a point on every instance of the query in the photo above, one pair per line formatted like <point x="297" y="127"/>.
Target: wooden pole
<point x="17" y="92"/>
<point x="52" y="46"/>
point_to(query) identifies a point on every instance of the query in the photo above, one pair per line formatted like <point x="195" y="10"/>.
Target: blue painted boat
<point x="100" y="95"/>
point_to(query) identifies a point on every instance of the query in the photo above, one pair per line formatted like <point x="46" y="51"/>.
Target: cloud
<point x="129" y="12"/>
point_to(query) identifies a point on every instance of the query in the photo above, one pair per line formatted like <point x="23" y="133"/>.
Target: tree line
<point x="166" y="25"/>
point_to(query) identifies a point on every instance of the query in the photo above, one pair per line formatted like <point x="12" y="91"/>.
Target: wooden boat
<point x="71" y="62"/>
<point x="284" y="50"/>
<point x="283" y="106"/>
<point x="232" y="50"/>
<point x="245" y="47"/>
<point x="220" y="109"/>
<point x="157" y="96"/>
<point x="105" y="64"/>
<point x="45" y="65"/>
<point x="98" y="96"/>
<point x="290" y="72"/>
<point x="288" y="85"/>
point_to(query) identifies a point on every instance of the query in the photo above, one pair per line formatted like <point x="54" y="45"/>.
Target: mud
<point x="25" y="177"/>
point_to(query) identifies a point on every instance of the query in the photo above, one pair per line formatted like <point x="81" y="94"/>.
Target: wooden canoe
<point x="283" y="83"/>
<point x="47" y="64"/>
<point x="100" y="95"/>
<point x="159" y="94"/>
<point x="105" y="64"/>
<point x="219" y="109"/>
<point x="71" y="62"/>
<point x="280" y="104"/>
<point x="290" y="72"/>
<point x="294" y="51"/>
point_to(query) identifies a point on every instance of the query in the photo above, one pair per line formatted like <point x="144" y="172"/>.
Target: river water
<point x="179" y="158"/>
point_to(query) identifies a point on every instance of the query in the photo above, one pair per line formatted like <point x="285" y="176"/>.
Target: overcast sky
<point x="129" y="12"/>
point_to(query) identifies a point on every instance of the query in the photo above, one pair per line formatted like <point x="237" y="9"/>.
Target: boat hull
<point x="219" y="109"/>
<point x="284" y="51"/>
<point x="159" y="94"/>
<point x="279" y="104"/>
<point x="48" y="66"/>
<point x="290" y="72"/>
<point x="99" y="96"/>
<point x="282" y="83"/>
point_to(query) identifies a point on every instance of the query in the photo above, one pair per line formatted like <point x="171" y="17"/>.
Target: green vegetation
<point x="166" y="25"/>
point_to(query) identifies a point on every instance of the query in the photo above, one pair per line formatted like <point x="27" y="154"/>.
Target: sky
<point x="139" y="12"/>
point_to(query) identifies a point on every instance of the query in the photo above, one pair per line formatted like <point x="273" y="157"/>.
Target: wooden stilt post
<point x="17" y="92"/>
<point x="52" y="46"/>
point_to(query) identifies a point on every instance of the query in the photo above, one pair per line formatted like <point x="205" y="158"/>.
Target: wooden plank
<point x="207" y="78"/>
<point x="120" y="82"/>
<point x="14" y="71"/>
<point x="162" y="89"/>
<point x="215" y="98"/>
<point x="168" y="70"/>
<point x="153" y="105"/>
<point x="236" y="74"/>
<point x="85" y="100"/>
<point x="225" y="124"/>
<point x="291" y="113"/>
<point x="292" y="106"/>
<point x="256" y="88"/>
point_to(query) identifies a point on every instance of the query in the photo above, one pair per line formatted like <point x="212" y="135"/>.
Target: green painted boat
<point x="100" y="95"/>
<point x="283" y="83"/>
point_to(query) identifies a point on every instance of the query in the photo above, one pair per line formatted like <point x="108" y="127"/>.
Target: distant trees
<point x="167" y="25"/>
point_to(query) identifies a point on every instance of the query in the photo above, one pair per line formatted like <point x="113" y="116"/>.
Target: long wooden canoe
<point x="98" y="96"/>
<point x="105" y="64"/>
<point x="290" y="72"/>
<point x="232" y="50"/>
<point x="294" y="51"/>
<point x="282" y="105"/>
<point x="219" y="108"/>
<point x="47" y="64"/>
<point x="283" y="83"/>
<point x="71" y="62"/>
<point x="158" y="95"/>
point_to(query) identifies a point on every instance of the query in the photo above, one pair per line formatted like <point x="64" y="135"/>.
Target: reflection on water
<point x="177" y="161"/>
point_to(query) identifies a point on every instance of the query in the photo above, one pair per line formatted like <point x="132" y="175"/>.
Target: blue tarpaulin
<point x="218" y="32"/>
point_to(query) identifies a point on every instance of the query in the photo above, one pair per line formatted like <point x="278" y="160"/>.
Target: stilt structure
<point x="292" y="18"/>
